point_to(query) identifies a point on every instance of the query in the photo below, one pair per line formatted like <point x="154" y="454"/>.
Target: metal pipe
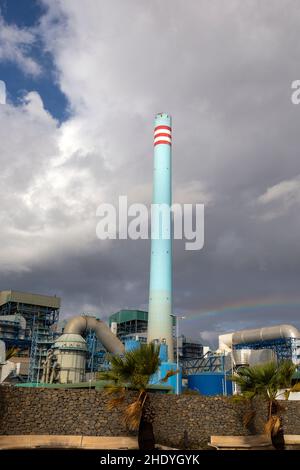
<point x="80" y="324"/>
<point x="265" y="334"/>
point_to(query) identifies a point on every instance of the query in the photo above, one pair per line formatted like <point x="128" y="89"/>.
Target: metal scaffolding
<point x="208" y="363"/>
<point x="41" y="315"/>
<point x="95" y="352"/>
<point x="42" y="339"/>
<point x="284" y="348"/>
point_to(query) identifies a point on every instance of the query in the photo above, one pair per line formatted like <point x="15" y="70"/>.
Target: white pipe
<point x="254" y="335"/>
<point x="265" y="334"/>
<point x="80" y="324"/>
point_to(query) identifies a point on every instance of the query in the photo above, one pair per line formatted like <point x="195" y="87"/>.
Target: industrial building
<point x="28" y="322"/>
<point x="128" y="322"/>
<point x="279" y="342"/>
<point x="241" y="348"/>
<point x="66" y="359"/>
<point x="189" y="348"/>
<point x="133" y="325"/>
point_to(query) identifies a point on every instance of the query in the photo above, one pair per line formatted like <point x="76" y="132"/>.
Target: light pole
<point x="178" y="317"/>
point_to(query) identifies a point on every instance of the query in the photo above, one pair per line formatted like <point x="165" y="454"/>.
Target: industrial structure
<point x="28" y="322"/>
<point x="129" y="322"/>
<point x="188" y="348"/>
<point x="160" y="289"/>
<point x="68" y="362"/>
<point x="279" y="342"/>
<point x="209" y="374"/>
<point x="133" y="325"/>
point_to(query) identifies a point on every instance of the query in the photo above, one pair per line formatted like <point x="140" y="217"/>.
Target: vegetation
<point x="266" y="381"/>
<point x="11" y="352"/>
<point x="134" y="370"/>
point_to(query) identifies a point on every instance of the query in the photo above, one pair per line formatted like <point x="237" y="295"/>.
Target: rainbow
<point x="246" y="305"/>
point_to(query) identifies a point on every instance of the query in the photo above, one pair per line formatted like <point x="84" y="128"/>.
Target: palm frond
<point x="272" y="426"/>
<point x="115" y="402"/>
<point x="135" y="367"/>
<point x="132" y="415"/>
<point x="265" y="379"/>
<point x="248" y="417"/>
<point x="169" y="374"/>
<point x="296" y="387"/>
<point x="11" y="352"/>
<point x="133" y="370"/>
<point x="114" y="389"/>
<point x="285" y="373"/>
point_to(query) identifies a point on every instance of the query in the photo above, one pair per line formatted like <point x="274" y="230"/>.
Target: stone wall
<point x="46" y="411"/>
<point x="180" y="420"/>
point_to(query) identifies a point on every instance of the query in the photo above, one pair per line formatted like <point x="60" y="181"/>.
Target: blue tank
<point x="211" y="383"/>
<point x="131" y="344"/>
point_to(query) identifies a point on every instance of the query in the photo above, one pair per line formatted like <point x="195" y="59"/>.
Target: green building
<point x="129" y="322"/>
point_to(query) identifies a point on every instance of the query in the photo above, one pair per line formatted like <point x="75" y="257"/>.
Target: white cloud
<point x="279" y="199"/>
<point x="224" y="74"/>
<point x="15" y="46"/>
<point x="47" y="203"/>
<point x="192" y="193"/>
<point x="2" y="92"/>
<point x="209" y="338"/>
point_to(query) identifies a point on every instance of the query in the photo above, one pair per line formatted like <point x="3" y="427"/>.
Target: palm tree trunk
<point x="278" y="437"/>
<point x="270" y="408"/>
<point x="146" y="438"/>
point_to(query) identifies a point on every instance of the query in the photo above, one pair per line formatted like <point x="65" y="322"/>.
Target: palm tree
<point x="134" y="370"/>
<point x="266" y="380"/>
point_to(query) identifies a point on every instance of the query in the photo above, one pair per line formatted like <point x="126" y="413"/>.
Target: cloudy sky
<point x="84" y="81"/>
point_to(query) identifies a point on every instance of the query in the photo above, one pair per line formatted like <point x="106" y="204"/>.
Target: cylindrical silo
<point x="70" y="350"/>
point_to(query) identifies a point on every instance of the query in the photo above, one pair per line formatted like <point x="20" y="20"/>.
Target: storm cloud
<point x="223" y="70"/>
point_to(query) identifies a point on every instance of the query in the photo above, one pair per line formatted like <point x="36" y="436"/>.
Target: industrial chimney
<point x="160" y="291"/>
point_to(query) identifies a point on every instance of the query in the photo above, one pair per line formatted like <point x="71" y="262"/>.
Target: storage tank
<point x="70" y="350"/>
<point x="210" y="383"/>
<point x="252" y="357"/>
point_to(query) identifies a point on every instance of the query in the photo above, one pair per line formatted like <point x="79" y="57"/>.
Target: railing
<point x="207" y="363"/>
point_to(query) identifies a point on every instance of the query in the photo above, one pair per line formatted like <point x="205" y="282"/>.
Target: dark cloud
<point x="224" y="71"/>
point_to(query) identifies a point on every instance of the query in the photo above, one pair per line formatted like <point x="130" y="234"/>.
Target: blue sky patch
<point x="26" y="14"/>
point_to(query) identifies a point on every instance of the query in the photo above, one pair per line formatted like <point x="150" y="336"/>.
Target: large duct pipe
<point x="81" y="324"/>
<point x="265" y="334"/>
<point x="257" y="334"/>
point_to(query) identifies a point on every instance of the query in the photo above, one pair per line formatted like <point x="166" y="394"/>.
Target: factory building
<point x="252" y="346"/>
<point x="128" y="322"/>
<point x="189" y="348"/>
<point x="131" y="325"/>
<point x="28" y="322"/>
<point x="66" y="360"/>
